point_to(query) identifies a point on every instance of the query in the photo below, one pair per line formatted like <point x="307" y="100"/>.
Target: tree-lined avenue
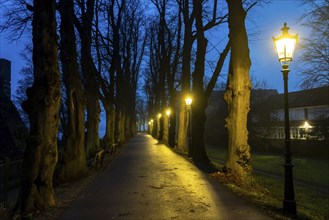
<point x="150" y="181"/>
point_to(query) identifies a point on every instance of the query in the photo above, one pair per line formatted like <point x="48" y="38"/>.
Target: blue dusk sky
<point x="263" y="23"/>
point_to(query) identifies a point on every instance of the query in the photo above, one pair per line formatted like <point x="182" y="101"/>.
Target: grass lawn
<point x="311" y="204"/>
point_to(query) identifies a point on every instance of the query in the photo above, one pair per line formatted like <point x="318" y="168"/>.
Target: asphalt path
<point x="150" y="181"/>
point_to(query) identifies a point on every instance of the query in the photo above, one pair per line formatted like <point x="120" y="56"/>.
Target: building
<point x="308" y="114"/>
<point x="216" y="112"/>
<point x="308" y="111"/>
<point x="12" y="128"/>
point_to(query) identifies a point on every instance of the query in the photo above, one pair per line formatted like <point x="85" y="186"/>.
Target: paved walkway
<point x="149" y="181"/>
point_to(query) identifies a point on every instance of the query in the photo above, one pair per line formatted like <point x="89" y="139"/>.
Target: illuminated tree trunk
<point x="186" y="72"/>
<point x="237" y="93"/>
<point x="42" y="105"/>
<point x="182" y="126"/>
<point x="172" y="127"/>
<point x="165" y="129"/>
<point x="74" y="157"/>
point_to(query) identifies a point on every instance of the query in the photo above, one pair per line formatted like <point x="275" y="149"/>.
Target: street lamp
<point x="188" y="102"/>
<point x="285" y="45"/>
<point x="306" y="126"/>
<point x="168" y="112"/>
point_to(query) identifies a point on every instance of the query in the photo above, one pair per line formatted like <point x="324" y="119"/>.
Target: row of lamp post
<point x="285" y="45"/>
<point x="188" y="102"/>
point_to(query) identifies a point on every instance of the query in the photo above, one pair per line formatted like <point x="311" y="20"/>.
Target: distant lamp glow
<point x="159" y="115"/>
<point x="188" y="101"/>
<point x="152" y="121"/>
<point x="168" y="112"/>
<point x="285" y="46"/>
<point x="306" y="125"/>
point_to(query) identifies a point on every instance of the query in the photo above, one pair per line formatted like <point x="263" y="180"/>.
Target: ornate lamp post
<point x="188" y="102"/>
<point x="285" y="45"/>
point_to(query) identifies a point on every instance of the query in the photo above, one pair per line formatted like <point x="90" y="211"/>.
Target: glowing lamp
<point x="306" y="125"/>
<point x="188" y="101"/>
<point x="168" y="112"/>
<point x="285" y="46"/>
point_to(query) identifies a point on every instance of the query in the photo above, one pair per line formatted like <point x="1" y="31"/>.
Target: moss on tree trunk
<point x="73" y="164"/>
<point x="182" y="126"/>
<point x="42" y="105"/>
<point x="91" y="77"/>
<point x="237" y="93"/>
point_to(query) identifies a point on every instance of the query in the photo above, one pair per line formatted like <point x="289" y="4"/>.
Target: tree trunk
<point x="198" y="151"/>
<point x="127" y="126"/>
<point x="155" y="130"/>
<point x="160" y="123"/>
<point x="237" y="93"/>
<point x="42" y="105"/>
<point x="121" y="127"/>
<point x="108" y="138"/>
<point x="91" y="79"/>
<point x="199" y="104"/>
<point x="93" y="118"/>
<point x="133" y="125"/>
<point x="74" y="157"/>
<point x="186" y="71"/>
<point x="172" y="129"/>
<point x="165" y="130"/>
<point x="182" y="126"/>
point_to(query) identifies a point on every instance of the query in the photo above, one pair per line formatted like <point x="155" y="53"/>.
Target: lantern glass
<point x="188" y="101"/>
<point x="285" y="46"/>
